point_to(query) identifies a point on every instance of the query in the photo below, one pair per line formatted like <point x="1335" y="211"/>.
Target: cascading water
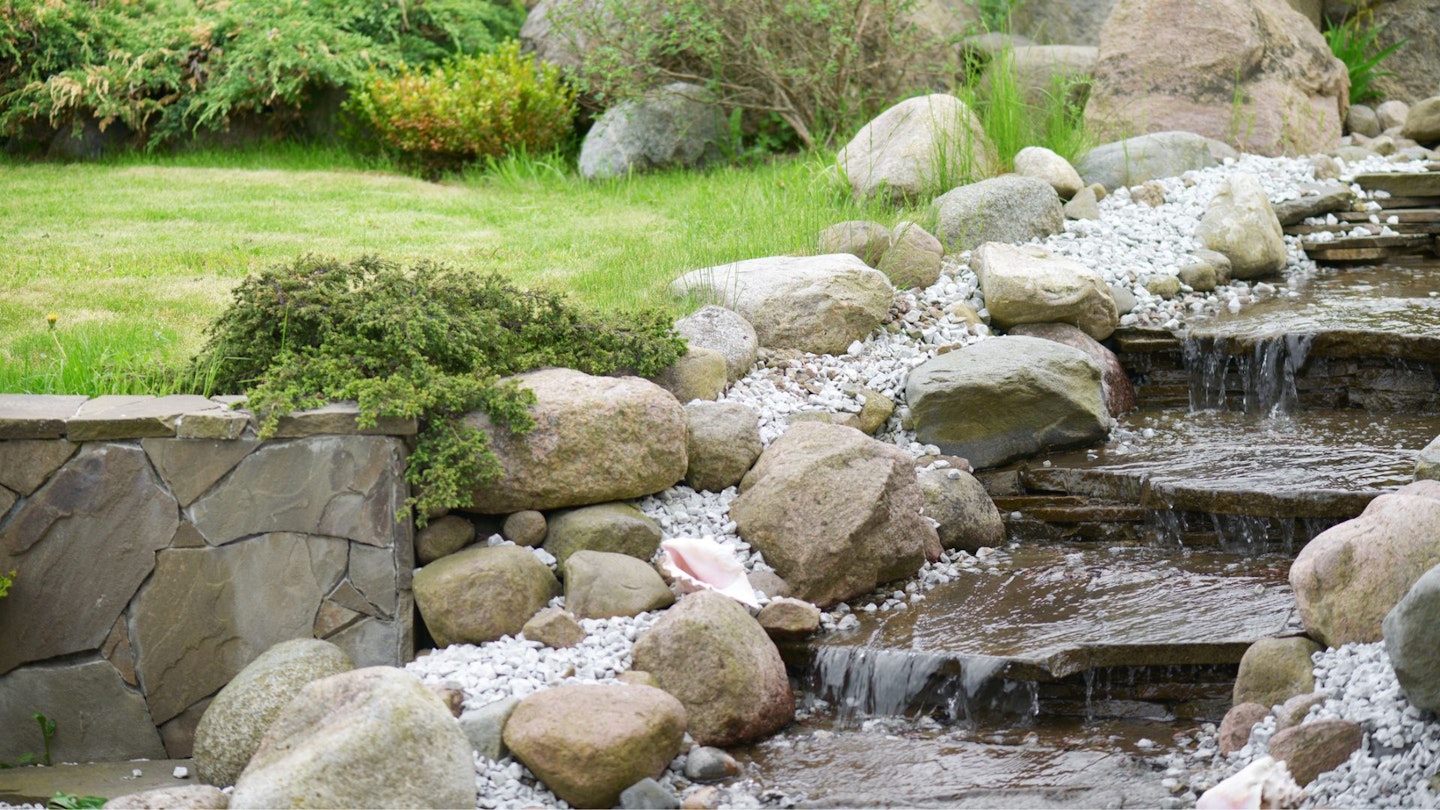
<point x="1264" y="373"/>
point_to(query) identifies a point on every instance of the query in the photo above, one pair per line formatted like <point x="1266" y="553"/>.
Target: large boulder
<point x="614" y="527"/>
<point x="1240" y="224"/>
<point x="1273" y="670"/>
<point x="1061" y="22"/>
<point x="601" y="585"/>
<point x="1423" y="122"/>
<point x="596" y="439"/>
<point x="1042" y="73"/>
<point x="817" y="304"/>
<point x="374" y="737"/>
<point x="834" y="512"/>
<point x="958" y="502"/>
<point x="1007" y="398"/>
<point x="914" y="257"/>
<point x="678" y="125"/>
<point x="237" y="719"/>
<point x="1257" y="75"/>
<point x="861" y="238"/>
<point x="1351" y="575"/>
<point x="1009" y="208"/>
<point x="588" y="743"/>
<point x="1412" y="639"/>
<point x="725" y="331"/>
<point x="1413" y="73"/>
<point x="1143" y="158"/>
<point x="716" y="659"/>
<point x="916" y="148"/>
<point x="482" y="593"/>
<point x="1030" y="284"/>
<point x="1114" y="379"/>
<point x="552" y="31"/>
<point x="724" y="443"/>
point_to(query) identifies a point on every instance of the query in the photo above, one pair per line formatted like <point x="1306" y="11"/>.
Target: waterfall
<point x="1264" y="372"/>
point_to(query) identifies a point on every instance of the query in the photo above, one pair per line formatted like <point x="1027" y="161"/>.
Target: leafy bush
<point x="467" y="108"/>
<point x="6" y="580"/>
<point x="823" y="67"/>
<point x="166" y="67"/>
<point x="428" y="342"/>
<point x="1356" y="43"/>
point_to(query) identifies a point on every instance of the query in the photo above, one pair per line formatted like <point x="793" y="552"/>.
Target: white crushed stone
<point x="1130" y="244"/>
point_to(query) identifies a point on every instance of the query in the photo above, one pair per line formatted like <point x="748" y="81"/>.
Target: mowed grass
<point x="135" y="257"/>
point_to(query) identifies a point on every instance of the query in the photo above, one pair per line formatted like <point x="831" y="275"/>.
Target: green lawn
<point x="137" y="255"/>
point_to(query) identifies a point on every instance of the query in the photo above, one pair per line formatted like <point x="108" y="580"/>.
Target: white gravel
<point x="1131" y="244"/>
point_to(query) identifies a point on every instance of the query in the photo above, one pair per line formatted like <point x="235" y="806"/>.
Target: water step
<point x="1050" y="621"/>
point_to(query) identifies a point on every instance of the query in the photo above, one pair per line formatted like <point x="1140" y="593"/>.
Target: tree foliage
<point x="429" y="342"/>
<point x="167" y="67"/>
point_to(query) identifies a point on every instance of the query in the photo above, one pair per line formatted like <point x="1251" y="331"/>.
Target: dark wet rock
<point x="602" y="585"/>
<point x="336" y="744"/>
<point x="707" y="764"/>
<point x="588" y="743"/>
<point x="232" y="727"/>
<point x="710" y="654"/>
<point x="834" y="511"/>
<point x="1349" y="577"/>
<point x="1235" y="728"/>
<point x="1412" y="639"/>
<point x="480" y="594"/>
<point x="1275" y="670"/>
<point x="1004" y="399"/>
<point x="618" y="528"/>
<point x="1313" y="748"/>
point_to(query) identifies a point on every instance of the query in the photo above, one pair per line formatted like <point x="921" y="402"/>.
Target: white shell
<point x="1263" y="783"/>
<point x="699" y="563"/>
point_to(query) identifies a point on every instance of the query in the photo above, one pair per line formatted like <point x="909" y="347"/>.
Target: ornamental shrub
<point x="428" y="341"/>
<point x="468" y="108"/>
<point x="168" y="67"/>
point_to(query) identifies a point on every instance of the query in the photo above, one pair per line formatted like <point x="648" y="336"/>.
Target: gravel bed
<point x="1131" y="244"/>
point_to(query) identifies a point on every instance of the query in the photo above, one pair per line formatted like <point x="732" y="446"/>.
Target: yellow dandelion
<point x="52" y="318"/>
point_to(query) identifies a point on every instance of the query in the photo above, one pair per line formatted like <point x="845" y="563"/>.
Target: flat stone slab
<point x="1402" y="184"/>
<point x="1056" y="611"/>
<point x="133" y="417"/>
<point x="1309" y="464"/>
<point x="35" y="785"/>
<point x="343" y="419"/>
<point x="36" y="416"/>
<point x="1362" y="312"/>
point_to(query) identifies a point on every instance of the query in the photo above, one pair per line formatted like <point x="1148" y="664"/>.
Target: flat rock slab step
<point x="1401" y="184"/>
<point x="36" y="784"/>
<point x="1325" y="464"/>
<point x="1056" y="611"/>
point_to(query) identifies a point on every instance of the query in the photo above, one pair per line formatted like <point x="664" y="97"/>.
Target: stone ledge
<point x="184" y="416"/>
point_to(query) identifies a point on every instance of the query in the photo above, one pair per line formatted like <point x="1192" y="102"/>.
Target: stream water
<point x="1051" y="678"/>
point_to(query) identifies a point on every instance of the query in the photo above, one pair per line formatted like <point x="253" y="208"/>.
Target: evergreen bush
<point x="468" y="108"/>
<point x="430" y="342"/>
<point x="165" y="68"/>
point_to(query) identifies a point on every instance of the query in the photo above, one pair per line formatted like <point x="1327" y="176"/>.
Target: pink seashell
<point x="698" y="563"/>
<point x="1264" y="783"/>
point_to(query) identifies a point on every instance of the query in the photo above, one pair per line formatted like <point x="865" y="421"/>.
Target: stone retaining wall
<point x="159" y="547"/>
